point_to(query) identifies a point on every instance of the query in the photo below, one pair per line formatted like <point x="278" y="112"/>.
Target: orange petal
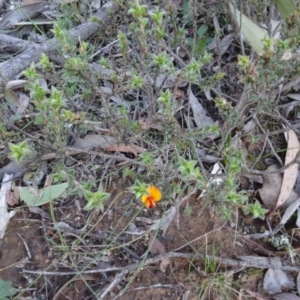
<point x="154" y="192"/>
<point x="151" y="202"/>
<point x="145" y="200"/>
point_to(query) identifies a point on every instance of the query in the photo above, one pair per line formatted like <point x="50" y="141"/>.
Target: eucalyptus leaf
<point x="11" y="97"/>
<point x="202" y="30"/>
<point x="200" y="116"/>
<point x="15" y="84"/>
<point x="6" y="290"/>
<point x="253" y="34"/>
<point x="29" y="11"/>
<point x="36" y="198"/>
<point x="285" y="7"/>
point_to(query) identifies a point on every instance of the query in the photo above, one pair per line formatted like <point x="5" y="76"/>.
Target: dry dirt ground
<point x="91" y="255"/>
<point x="31" y="243"/>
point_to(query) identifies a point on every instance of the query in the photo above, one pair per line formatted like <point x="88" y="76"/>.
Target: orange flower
<point x="154" y="195"/>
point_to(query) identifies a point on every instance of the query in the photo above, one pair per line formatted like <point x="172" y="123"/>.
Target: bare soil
<point x="31" y="243"/>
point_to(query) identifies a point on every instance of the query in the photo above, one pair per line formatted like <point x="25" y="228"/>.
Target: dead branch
<point x="15" y="65"/>
<point x="238" y="262"/>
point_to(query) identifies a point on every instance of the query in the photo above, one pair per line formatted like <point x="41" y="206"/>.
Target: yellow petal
<point x="145" y="199"/>
<point x="154" y="192"/>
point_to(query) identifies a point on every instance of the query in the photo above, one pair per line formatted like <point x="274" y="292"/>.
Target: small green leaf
<point x="6" y="290"/>
<point x="11" y="97"/>
<point x="18" y="151"/>
<point x="42" y="196"/>
<point x="200" y="47"/>
<point x="95" y="200"/>
<point x="255" y="210"/>
<point x="202" y="30"/>
<point x="73" y="191"/>
<point x="253" y="34"/>
<point x="285" y="7"/>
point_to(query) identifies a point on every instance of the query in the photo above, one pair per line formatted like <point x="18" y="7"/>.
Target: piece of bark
<point x="14" y="168"/>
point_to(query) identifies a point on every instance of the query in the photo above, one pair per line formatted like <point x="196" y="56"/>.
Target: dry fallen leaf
<point x="200" y="117"/>
<point x="13" y="168"/>
<point x="156" y="247"/>
<point x="15" y="84"/>
<point x="106" y="143"/>
<point x="48" y="181"/>
<point x="285" y="296"/>
<point x="271" y="188"/>
<point x="146" y="124"/>
<point x="31" y="11"/>
<point x="179" y="93"/>
<point x="270" y="191"/>
<point x="276" y="280"/>
<point x="290" y="174"/>
<point x="23" y="103"/>
<point x="13" y="197"/>
<point x="134" y="149"/>
<point x="164" y="264"/>
<point x="155" y="121"/>
<point x="294" y="96"/>
<point x="177" y="4"/>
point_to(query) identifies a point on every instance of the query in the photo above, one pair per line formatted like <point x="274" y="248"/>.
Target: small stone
<point x="125" y="201"/>
<point x="156" y="212"/>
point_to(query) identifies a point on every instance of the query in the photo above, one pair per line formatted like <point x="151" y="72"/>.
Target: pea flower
<point x="153" y="196"/>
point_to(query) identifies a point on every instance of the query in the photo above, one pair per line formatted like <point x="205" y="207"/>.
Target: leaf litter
<point x="253" y="34"/>
<point x="276" y="280"/>
<point x="18" y="14"/>
<point x="285" y="296"/>
<point x="290" y="174"/>
<point x="106" y="143"/>
<point x="112" y="144"/>
<point x="271" y="187"/>
<point x="157" y="247"/>
<point x="200" y="115"/>
<point x="277" y="190"/>
<point x="4" y="214"/>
